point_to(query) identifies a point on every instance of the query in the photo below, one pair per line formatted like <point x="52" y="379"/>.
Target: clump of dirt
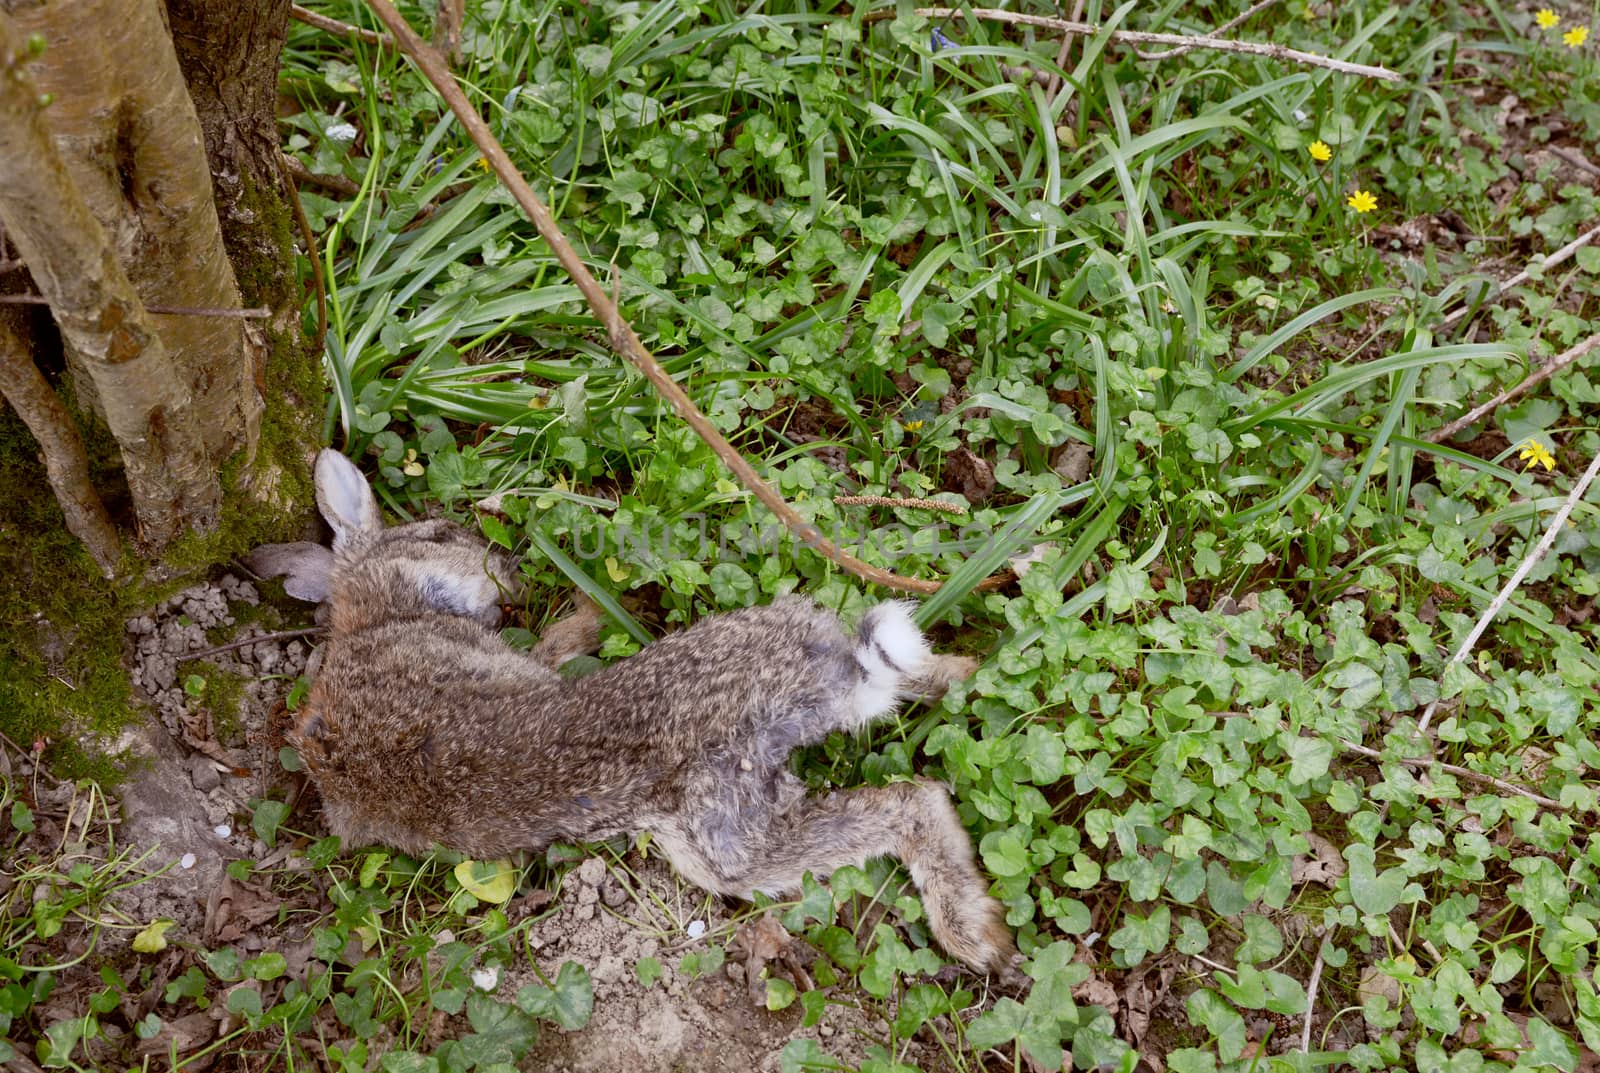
<point x="206" y="754"/>
<point x="611" y="919"/>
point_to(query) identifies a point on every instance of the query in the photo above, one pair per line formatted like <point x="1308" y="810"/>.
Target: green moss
<point x="61" y="625"/>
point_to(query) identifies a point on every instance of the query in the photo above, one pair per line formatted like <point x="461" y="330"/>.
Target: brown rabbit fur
<point x="424" y="728"/>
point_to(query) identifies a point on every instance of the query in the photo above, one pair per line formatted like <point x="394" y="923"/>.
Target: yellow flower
<point x="1576" y="36"/>
<point x="1546" y="18"/>
<point x="913" y="426"/>
<point x="1320" y="152"/>
<point x="1535" y="454"/>
<point x="1362" y="201"/>
<point x="483" y="162"/>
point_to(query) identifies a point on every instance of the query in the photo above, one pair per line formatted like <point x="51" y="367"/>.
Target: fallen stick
<point x="621" y="335"/>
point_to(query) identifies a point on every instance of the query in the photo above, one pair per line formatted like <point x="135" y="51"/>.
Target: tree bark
<point x="123" y="121"/>
<point x="145" y="403"/>
<point x="66" y="464"/>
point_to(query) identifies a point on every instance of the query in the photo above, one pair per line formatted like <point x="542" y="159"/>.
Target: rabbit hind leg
<point x="914" y="822"/>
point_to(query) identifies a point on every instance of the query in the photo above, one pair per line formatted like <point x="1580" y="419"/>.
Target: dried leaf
<point x="1325" y="865"/>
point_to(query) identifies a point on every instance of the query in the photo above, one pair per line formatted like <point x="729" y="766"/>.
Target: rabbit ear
<point x="303" y="566"/>
<point x="345" y="498"/>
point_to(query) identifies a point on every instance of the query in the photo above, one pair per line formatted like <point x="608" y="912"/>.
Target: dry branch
<point x="255" y="313"/>
<point x="1140" y="37"/>
<point x="897" y="501"/>
<point x="1546" y="371"/>
<point x="622" y="337"/>
<point x="1563" y="254"/>
<point x="447" y="23"/>
<point x="145" y="403"/>
<point x="1546" y="542"/>
<point x="1232" y="24"/>
<point x="334" y="26"/>
<point x="66" y="464"/>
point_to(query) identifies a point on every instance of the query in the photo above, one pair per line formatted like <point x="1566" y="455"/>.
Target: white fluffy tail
<point x="891" y="652"/>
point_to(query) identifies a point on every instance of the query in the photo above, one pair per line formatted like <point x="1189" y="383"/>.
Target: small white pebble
<point x="696" y="928"/>
<point x="342" y="132"/>
<point x="186" y="861"/>
<point x="486" y="978"/>
<point x="223" y="830"/>
<point x="1300" y="115"/>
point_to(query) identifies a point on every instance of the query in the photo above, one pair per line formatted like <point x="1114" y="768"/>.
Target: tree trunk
<point x="120" y="356"/>
<point x="229" y="53"/>
<point x="122" y="119"/>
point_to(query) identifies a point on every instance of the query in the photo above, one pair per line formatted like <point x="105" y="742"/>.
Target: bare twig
<point x="1311" y="1000"/>
<point x="66" y="464"/>
<point x="310" y="239"/>
<point x="334" y="184"/>
<point x="259" y="313"/>
<point x="891" y="501"/>
<point x="1232" y="24"/>
<point x="1423" y="764"/>
<point x="1581" y="163"/>
<point x="447" y="23"/>
<point x="620" y="334"/>
<point x="1057" y="85"/>
<point x="1526" y="274"/>
<point x="1137" y="37"/>
<point x="334" y="26"/>
<point x="1538" y="552"/>
<point x="281" y="635"/>
<point x="1546" y="371"/>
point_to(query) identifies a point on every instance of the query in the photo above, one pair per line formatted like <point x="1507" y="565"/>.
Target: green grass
<point x="887" y="269"/>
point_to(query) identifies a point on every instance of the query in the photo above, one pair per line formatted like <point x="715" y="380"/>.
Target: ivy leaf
<point x="1309" y="758"/>
<point x="568" y="1002"/>
<point x="1372" y="893"/>
<point x="1210" y="1011"/>
<point x="799" y="1055"/>
<point x="780" y="993"/>
<point x="268" y="815"/>
<point x="1038" y="1033"/>
<point x="153" y="939"/>
<point x="488" y="881"/>
<point x="500" y="1033"/>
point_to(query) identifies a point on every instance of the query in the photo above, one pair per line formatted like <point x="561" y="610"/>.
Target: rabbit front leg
<point x="912" y="821"/>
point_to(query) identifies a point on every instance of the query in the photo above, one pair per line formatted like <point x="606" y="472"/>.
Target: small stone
<point x="613" y="893"/>
<point x="695" y="929"/>
<point x="825" y="1031"/>
<point x="203" y="773"/>
<point x="187" y="860"/>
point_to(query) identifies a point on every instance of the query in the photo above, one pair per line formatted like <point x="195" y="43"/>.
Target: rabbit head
<point x="375" y="573"/>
